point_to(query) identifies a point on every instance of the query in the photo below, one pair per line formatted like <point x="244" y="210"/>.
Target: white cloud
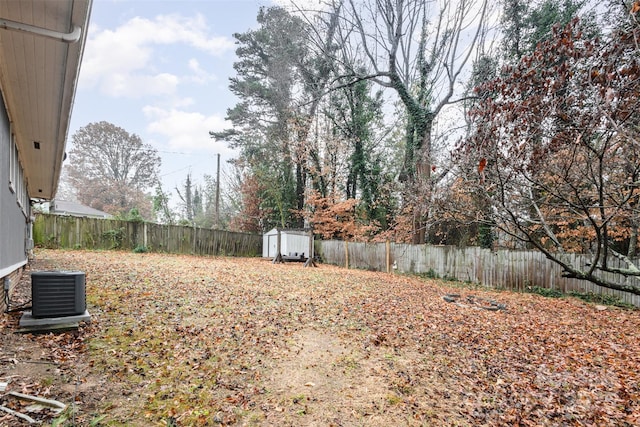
<point x="183" y="102"/>
<point x="186" y="131"/>
<point x="200" y="75"/>
<point x="136" y="86"/>
<point x="120" y="62"/>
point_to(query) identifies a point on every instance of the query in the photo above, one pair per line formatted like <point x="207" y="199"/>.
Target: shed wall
<point x="294" y="244"/>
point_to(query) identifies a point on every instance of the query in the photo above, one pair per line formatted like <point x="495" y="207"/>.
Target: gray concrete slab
<point x="27" y="320"/>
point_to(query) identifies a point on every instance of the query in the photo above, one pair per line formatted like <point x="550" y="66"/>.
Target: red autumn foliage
<point x="335" y="220"/>
<point x="251" y="213"/>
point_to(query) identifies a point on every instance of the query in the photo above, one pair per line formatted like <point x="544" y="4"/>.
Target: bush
<point x="486" y="236"/>
<point x="140" y="249"/>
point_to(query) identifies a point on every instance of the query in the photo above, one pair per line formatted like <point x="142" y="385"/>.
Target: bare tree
<point x="419" y="50"/>
<point x="111" y="169"/>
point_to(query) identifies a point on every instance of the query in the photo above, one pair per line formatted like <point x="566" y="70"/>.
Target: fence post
<point x="388" y="255"/>
<point x="346" y="254"/>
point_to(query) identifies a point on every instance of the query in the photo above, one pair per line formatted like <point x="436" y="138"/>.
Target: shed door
<point x="273" y="246"/>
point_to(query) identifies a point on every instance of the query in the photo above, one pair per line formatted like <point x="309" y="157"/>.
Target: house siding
<point x="14" y="225"/>
<point x="13" y="278"/>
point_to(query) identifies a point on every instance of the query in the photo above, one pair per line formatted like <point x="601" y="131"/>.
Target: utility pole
<point x="218" y="195"/>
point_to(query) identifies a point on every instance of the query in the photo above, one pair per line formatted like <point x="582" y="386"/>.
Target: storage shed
<point x="294" y="243"/>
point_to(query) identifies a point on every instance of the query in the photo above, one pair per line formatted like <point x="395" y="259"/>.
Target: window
<point x="16" y="176"/>
<point x="13" y="162"/>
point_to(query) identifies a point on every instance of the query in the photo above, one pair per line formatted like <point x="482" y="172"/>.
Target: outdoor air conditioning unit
<point x="57" y="294"/>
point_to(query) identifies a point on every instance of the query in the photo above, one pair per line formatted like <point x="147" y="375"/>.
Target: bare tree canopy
<point x="111" y="169"/>
<point x="418" y="49"/>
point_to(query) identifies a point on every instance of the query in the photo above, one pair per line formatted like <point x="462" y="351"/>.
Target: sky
<point x="160" y="69"/>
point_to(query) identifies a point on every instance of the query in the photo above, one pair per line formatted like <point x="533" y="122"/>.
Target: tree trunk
<point x="422" y="184"/>
<point x="301" y="178"/>
<point x="633" y="239"/>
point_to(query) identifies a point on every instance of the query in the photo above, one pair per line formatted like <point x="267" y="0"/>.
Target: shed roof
<point x="290" y="231"/>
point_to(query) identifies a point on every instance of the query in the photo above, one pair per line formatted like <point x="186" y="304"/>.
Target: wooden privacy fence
<point x="502" y="269"/>
<point x="55" y="231"/>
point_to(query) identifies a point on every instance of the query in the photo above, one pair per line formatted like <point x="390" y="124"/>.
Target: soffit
<point x="38" y="78"/>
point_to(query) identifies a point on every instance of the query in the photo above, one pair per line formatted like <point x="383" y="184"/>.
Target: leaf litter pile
<point x="188" y="341"/>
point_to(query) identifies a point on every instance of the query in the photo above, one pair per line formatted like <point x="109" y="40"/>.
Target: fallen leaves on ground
<point x="182" y="340"/>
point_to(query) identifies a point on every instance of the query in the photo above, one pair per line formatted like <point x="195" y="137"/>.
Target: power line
<point x="173" y="152"/>
<point x="190" y="166"/>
